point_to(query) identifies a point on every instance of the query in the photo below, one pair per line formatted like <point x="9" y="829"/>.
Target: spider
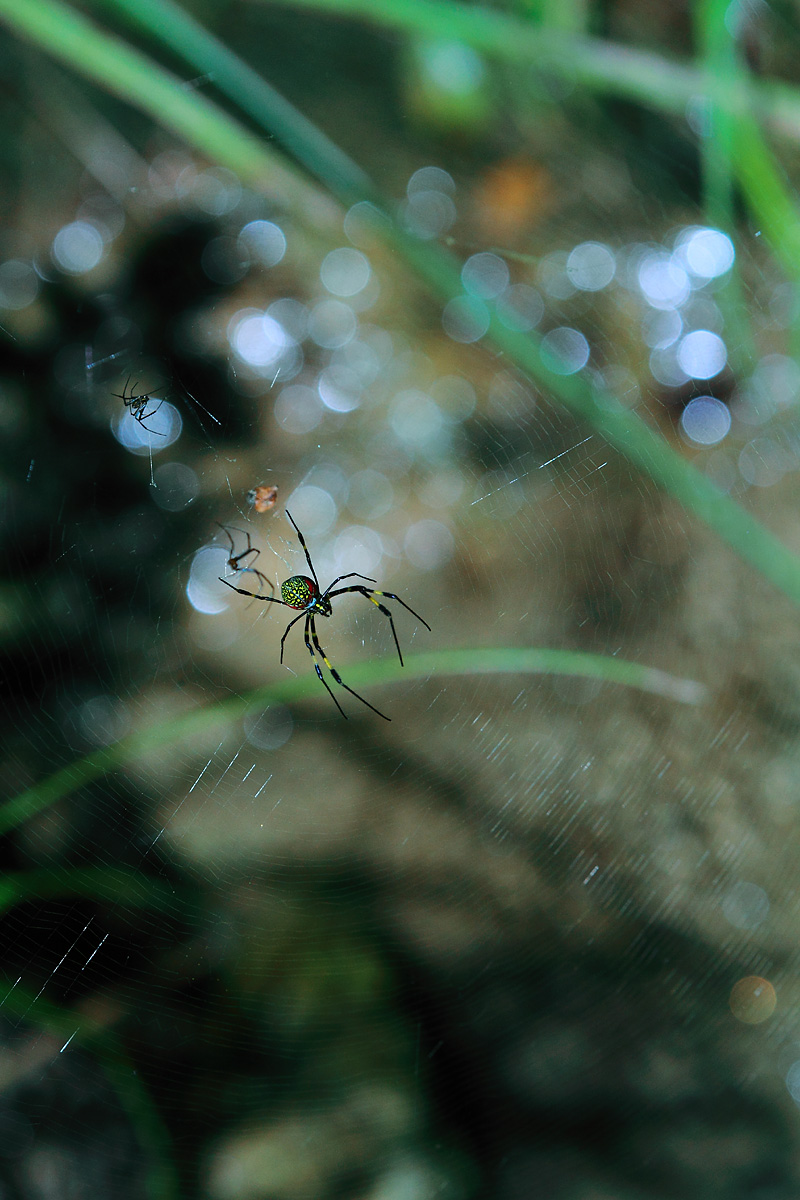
<point x="306" y="594"/>
<point x="137" y="403"/>
<point x="235" y="559"/>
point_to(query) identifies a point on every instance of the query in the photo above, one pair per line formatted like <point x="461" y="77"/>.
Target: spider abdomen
<point x="299" y="591"/>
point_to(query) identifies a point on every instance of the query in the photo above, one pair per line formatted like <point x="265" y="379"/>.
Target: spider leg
<point x="235" y="559"/>
<point x="370" y="594"/>
<point x="259" y="575"/>
<point x="333" y="671"/>
<point x="123" y="397"/>
<point x="302" y="541"/>
<point x="142" y="416"/>
<point x="349" y="575"/>
<point x="155" y="432"/>
<point x="293" y="621"/>
<point x="321" y="677"/>
<point x="253" y="596"/>
<point x="227" y="533"/>
<point x="388" y="595"/>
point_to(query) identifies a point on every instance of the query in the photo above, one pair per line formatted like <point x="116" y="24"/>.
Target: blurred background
<point x="537" y="932"/>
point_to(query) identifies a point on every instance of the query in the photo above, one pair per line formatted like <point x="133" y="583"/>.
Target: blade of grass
<point x="113" y="884"/>
<point x="73" y="1029"/>
<point x="500" y="661"/>
<point x="111" y="62"/>
<point x="617" y="70"/>
<point x="716" y="147"/>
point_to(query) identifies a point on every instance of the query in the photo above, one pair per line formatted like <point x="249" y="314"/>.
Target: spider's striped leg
<point x="371" y="592"/>
<point x="253" y="596"/>
<point x="322" y="679"/>
<point x="334" y="672"/>
<point x="293" y="621"/>
<point x="302" y="542"/>
<point x="349" y="575"/>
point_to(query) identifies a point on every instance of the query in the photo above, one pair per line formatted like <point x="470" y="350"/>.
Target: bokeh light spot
<point x="174" y="486"/>
<point x="77" y="247"/>
<point x="417" y="420"/>
<point x="370" y="495"/>
<point x="339" y="389"/>
<point x="663" y="281"/>
<point x="565" y="350"/>
<point x="19" y="284"/>
<point x="331" y="324"/>
<point x="485" y="276"/>
<point x="745" y="905"/>
<point x="520" y="308"/>
<point x="313" y="508"/>
<point x="358" y="548"/>
<point x="204" y="591"/>
<point x="763" y="462"/>
<point x="702" y="354"/>
<point x="159" y="430"/>
<point x="428" y="545"/>
<point x="428" y="214"/>
<point x="264" y="241"/>
<point x="345" y="271"/>
<point x="753" y="1000"/>
<point x="465" y="319"/>
<point x="453" y="66"/>
<point x="431" y="179"/>
<point x="591" y="266"/>
<point x="707" y="253"/>
<point x="270" y="729"/>
<point x="298" y="409"/>
<point x="705" y="421"/>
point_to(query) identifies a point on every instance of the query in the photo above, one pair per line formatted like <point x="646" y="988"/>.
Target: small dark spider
<point x="306" y="594"/>
<point x="138" y="403"/>
<point x="235" y="559"/>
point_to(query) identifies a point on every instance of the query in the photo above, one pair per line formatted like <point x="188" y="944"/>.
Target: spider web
<point x="537" y="932"/>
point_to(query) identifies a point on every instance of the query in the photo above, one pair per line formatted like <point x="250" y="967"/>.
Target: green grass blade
<point x="115" y="885"/>
<point x="72" y="1028"/>
<point x="611" y="68"/>
<point x="716" y="145"/>
<point x="464" y="662"/>
<point x="110" y="62"/>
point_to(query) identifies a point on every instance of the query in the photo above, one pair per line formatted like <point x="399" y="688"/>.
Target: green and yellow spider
<point x="306" y="594"/>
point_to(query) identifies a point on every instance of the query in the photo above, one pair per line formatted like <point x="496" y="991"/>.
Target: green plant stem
<point x="114" y="65"/>
<point x="716" y="146"/>
<point x="77" y="1029"/>
<point x="113" y="884"/>
<point x="464" y="662"/>
<point x="608" y="67"/>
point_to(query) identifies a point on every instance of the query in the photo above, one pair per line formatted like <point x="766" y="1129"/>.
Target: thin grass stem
<point x="418" y="667"/>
